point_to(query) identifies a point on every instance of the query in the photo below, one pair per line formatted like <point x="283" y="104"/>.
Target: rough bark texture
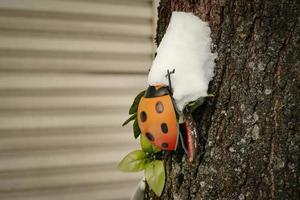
<point x="250" y="128"/>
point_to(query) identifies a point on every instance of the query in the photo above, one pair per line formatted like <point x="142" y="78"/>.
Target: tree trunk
<point x="250" y="128"/>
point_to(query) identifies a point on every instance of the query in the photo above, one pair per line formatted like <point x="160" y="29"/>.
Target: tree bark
<point x="250" y="128"/>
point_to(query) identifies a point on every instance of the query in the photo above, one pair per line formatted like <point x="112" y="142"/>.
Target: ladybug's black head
<point x="157" y="91"/>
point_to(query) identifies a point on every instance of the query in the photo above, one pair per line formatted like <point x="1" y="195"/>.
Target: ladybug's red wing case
<point x="157" y="121"/>
<point x="191" y="135"/>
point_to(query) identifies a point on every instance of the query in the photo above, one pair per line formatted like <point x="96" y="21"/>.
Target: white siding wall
<point x="69" y="70"/>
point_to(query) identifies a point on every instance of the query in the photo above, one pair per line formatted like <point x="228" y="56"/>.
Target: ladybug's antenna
<point x="169" y="79"/>
<point x="171" y="89"/>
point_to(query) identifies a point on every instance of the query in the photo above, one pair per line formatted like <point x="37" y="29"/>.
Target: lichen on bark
<point x="250" y="128"/>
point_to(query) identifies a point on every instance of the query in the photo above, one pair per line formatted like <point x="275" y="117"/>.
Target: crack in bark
<point x="272" y="148"/>
<point x="277" y="107"/>
<point x="270" y="166"/>
<point x="207" y="11"/>
<point x="281" y="54"/>
<point x="219" y="35"/>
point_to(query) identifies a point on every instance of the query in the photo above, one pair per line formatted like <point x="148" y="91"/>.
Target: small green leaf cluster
<point x="148" y="158"/>
<point x="132" y="111"/>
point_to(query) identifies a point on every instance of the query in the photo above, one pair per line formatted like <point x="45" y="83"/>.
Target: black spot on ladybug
<point x="159" y="107"/>
<point x="143" y="116"/>
<point x="150" y="136"/>
<point x="164" y="145"/>
<point x="164" y="128"/>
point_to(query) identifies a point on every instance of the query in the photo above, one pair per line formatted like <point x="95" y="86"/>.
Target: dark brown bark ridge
<point x="250" y="128"/>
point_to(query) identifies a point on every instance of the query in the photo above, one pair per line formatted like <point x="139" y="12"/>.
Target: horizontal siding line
<point x="64" y="180"/>
<point x="63" y="147"/>
<point x="15" y="56"/>
<point x="52" y="25"/>
<point x="17" y="109"/>
<point x="73" y="16"/>
<point x="66" y="91"/>
<point x="56" y="170"/>
<point x="90" y="77"/>
<point x="58" y="44"/>
<point x="103" y="185"/>
<point x="27" y="90"/>
<point x="95" y="194"/>
<point x="85" y="173"/>
<point x="99" y="183"/>
<point x="46" y="53"/>
<point x="18" y="147"/>
<point x="70" y="35"/>
<point x="64" y="111"/>
<point x="67" y="131"/>
<point x="68" y="151"/>
<point x="70" y="71"/>
<point x="71" y="81"/>
<point x="30" y="121"/>
<point x="142" y="3"/>
<point x="15" y="69"/>
<point x="126" y="185"/>
<point x="83" y="8"/>
<point x="120" y="134"/>
<point x="50" y="147"/>
<point x="105" y="102"/>
<point x="87" y="53"/>
<point x="73" y="66"/>
<point x="62" y="158"/>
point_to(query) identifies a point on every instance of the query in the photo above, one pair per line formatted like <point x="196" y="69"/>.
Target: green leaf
<point x="155" y="176"/>
<point x="181" y="118"/>
<point x="195" y="104"/>
<point x="136" y="129"/>
<point x="134" y="107"/>
<point x="133" y="162"/>
<point x="132" y="117"/>
<point x="147" y="146"/>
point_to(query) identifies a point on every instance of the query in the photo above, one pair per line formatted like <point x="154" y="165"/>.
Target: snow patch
<point x="185" y="47"/>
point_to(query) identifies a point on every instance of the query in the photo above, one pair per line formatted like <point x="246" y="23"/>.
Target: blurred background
<point x="69" y="70"/>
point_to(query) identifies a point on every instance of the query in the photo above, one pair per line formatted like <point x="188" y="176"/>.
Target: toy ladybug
<point x="158" y="120"/>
